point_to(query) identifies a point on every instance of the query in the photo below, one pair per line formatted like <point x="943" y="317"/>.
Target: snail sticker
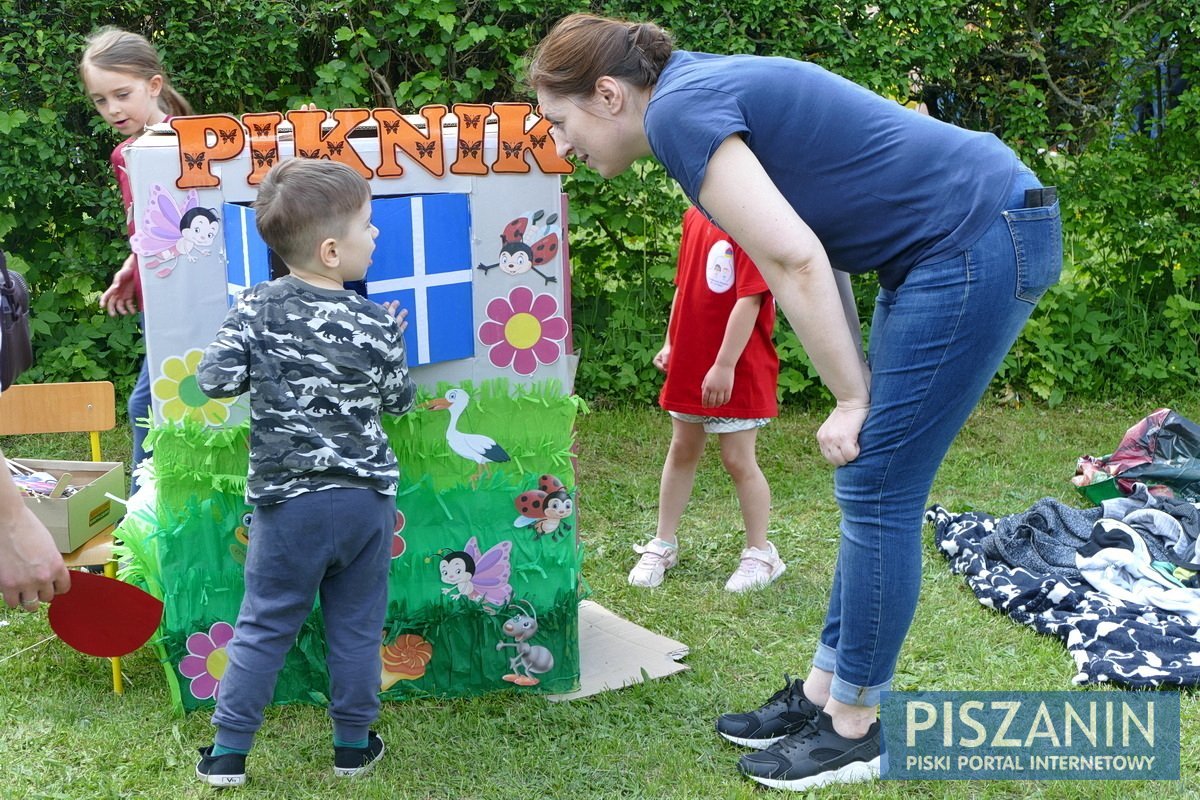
<point x="526" y="244"/>
<point x="545" y="508"/>
<point x="528" y="660"/>
<point x="405" y="659"/>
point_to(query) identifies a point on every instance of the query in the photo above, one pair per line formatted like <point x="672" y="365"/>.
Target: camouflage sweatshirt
<point x="320" y="366"/>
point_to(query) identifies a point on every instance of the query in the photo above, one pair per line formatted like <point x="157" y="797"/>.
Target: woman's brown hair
<point x="581" y="48"/>
<point x="114" y="50"/>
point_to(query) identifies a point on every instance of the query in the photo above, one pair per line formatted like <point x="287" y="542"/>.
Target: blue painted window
<point x="422" y="258"/>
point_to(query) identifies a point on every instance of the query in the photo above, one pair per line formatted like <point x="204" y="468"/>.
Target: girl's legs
<point x="678" y="475"/>
<point x="936" y="342"/>
<point x="754" y="495"/>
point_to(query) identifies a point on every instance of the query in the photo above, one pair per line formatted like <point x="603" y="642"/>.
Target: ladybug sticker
<point x="526" y="244"/>
<point x="545" y="508"/>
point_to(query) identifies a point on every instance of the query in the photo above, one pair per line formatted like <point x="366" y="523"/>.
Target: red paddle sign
<point x="103" y="616"/>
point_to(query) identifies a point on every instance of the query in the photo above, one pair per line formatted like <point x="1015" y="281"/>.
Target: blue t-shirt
<point x="883" y="187"/>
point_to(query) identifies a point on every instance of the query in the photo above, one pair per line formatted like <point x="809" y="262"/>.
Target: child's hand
<point x="121" y="296"/>
<point x="662" y="357"/>
<point x="717" y="387"/>
<point x="401" y="314"/>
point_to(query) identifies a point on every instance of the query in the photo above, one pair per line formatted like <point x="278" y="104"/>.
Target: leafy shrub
<point x="1064" y="78"/>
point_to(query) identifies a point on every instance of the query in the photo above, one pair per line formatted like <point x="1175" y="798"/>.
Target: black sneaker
<point x="815" y="756"/>
<point x="221" y="771"/>
<point x="350" y="762"/>
<point x="785" y="713"/>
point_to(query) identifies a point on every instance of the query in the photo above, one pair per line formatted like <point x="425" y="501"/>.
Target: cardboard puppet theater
<point x="485" y="576"/>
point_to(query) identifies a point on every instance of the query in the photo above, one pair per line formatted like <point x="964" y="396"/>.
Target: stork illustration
<point x="476" y="447"/>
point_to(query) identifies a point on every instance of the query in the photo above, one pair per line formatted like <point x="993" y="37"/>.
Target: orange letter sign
<point x="203" y="140"/>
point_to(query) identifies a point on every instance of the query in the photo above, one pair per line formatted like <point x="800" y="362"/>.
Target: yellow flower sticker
<point x="180" y="393"/>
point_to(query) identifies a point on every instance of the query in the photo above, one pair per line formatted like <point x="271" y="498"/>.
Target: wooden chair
<point x="87" y="407"/>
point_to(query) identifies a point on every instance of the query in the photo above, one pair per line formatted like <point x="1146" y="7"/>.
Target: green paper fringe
<point x="181" y="544"/>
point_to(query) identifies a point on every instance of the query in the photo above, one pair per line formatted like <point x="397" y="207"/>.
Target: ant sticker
<point x="170" y="231"/>
<point x="528" y="659"/>
<point x="546" y="508"/>
<point x="479" y="577"/>
<point x="526" y="244"/>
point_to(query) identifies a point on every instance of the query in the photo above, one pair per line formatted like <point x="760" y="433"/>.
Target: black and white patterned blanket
<point x="1111" y="640"/>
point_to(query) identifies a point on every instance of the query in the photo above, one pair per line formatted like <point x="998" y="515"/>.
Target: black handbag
<point x="16" y="351"/>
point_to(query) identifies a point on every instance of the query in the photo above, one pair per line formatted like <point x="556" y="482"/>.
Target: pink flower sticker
<point x="206" y="660"/>
<point x="523" y="331"/>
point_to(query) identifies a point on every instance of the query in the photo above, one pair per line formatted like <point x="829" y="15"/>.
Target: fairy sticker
<point x="545" y="508"/>
<point x="526" y="244"/>
<point x="169" y="231"/>
<point x="481" y="577"/>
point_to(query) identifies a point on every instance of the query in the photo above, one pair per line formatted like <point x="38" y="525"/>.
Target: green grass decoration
<point x="189" y="551"/>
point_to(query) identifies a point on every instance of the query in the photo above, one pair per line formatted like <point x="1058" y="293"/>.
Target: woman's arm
<point x="31" y="568"/>
<point x="741" y="196"/>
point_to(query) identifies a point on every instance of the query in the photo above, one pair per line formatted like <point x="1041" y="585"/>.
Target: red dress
<point x="711" y="275"/>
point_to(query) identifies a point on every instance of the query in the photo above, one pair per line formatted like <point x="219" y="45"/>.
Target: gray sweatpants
<point x="335" y="543"/>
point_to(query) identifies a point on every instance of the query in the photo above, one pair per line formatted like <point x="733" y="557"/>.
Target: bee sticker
<point x="478" y="576"/>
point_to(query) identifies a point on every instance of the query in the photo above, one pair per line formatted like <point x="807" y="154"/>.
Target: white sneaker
<point x="657" y="557"/>
<point x="758" y="568"/>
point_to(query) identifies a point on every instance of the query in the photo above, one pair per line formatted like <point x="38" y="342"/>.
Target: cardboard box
<point x="75" y="519"/>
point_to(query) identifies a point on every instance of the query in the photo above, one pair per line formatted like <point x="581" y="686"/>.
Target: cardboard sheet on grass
<point x="484" y="587"/>
<point x="615" y="653"/>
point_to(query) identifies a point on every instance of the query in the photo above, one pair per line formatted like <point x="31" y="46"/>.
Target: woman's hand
<point x="838" y="435"/>
<point x="121" y="295"/>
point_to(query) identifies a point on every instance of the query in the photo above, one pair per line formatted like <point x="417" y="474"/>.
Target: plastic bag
<point x="1162" y="449"/>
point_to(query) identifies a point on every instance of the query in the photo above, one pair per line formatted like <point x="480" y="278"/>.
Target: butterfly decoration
<point x="472" y="120"/>
<point x="512" y="150"/>
<point x="262" y="130"/>
<point x="311" y="153"/>
<point x="169" y="230"/>
<point x="194" y="161"/>
<point x="228" y="136"/>
<point x="263" y="158"/>
<point x="537" y="142"/>
<point x="546" y="508"/>
<point x="391" y="127"/>
<point x="335" y="148"/>
<point x="477" y="576"/>
<point x="527" y="243"/>
<point x="425" y="149"/>
<point x="469" y="149"/>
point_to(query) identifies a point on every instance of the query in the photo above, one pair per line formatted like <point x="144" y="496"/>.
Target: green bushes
<point x="1057" y="78"/>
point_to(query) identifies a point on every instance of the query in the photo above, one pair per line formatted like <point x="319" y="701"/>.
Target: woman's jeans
<point x="936" y="342"/>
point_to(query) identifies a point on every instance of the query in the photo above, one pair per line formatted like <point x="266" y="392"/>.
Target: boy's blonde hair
<point x="115" y="50"/>
<point x="303" y="201"/>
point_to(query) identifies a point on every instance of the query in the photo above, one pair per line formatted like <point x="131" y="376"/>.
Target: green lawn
<point x="67" y="736"/>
